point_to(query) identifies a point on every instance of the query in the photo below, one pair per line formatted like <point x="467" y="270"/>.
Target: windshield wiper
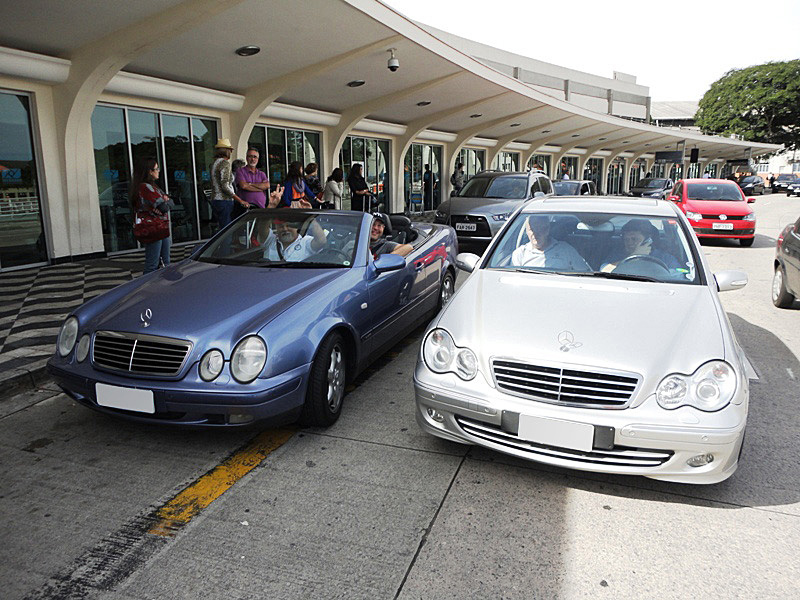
<point x="291" y="264"/>
<point x="539" y="271"/>
<point x="605" y="275"/>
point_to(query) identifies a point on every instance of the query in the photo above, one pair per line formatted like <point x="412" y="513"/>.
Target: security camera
<point x="393" y="63"/>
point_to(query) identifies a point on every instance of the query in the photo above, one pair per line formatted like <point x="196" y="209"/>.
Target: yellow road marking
<point x="189" y="502"/>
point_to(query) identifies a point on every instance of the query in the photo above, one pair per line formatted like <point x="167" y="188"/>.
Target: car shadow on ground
<point x="769" y="470"/>
<point x="761" y="241"/>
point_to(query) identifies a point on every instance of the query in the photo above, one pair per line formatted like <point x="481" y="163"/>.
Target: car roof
<point x="573" y="181"/>
<point x="612" y="204"/>
<point x="495" y="173"/>
<point x="709" y="180"/>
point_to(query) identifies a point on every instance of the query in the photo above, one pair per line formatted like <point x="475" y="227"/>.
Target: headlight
<point x="709" y="388"/>
<point x="67" y="336"/>
<point x="83" y="348"/>
<point x="440" y="216"/>
<point x="693" y="216"/>
<point x="750" y="217"/>
<point x="501" y="217"/>
<point x="211" y="365"/>
<point x="441" y="355"/>
<point x="248" y="359"/>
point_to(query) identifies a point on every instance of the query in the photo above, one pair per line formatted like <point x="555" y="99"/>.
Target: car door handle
<point x="419" y="265"/>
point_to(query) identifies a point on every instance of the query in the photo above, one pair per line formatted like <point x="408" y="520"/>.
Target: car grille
<point x="138" y="353"/>
<point x="573" y="387"/>
<point x="708" y="230"/>
<point x="715" y="217"/>
<point x="481" y="225"/>
<point x="618" y="456"/>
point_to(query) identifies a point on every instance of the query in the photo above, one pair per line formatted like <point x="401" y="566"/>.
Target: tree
<point x="761" y="103"/>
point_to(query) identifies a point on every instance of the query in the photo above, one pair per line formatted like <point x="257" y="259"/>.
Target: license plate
<point x="555" y="432"/>
<point x="112" y="396"/>
<point x="466" y="227"/>
<point x="725" y="226"/>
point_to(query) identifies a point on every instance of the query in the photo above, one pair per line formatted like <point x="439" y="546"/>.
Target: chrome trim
<point x="107" y="355"/>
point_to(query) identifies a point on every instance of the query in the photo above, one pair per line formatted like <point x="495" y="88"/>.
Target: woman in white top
<point x="332" y="195"/>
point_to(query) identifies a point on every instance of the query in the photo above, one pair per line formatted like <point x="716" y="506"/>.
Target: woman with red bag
<point x="151" y="208"/>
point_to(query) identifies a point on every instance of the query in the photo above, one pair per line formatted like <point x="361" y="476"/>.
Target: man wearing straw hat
<point x="223" y="196"/>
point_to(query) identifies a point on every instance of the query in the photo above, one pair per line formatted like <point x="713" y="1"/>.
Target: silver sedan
<point x="590" y="336"/>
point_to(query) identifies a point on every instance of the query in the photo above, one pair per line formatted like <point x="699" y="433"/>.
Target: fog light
<point x="700" y="460"/>
<point x="239" y="418"/>
<point x="435" y="415"/>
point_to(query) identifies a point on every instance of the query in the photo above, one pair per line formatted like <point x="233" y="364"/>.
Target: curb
<point x="23" y="380"/>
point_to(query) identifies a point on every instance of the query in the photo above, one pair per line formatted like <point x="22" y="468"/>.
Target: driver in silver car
<point x="542" y="250"/>
<point x="637" y="240"/>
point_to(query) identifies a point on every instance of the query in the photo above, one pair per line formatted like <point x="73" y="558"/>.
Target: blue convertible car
<point x="267" y="321"/>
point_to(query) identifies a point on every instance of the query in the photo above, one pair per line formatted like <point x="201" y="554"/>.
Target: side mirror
<point x="751" y="200"/>
<point x="388" y="262"/>
<point x="539" y="194"/>
<point x="674" y="198"/>
<point x="730" y="280"/>
<point x="466" y="261"/>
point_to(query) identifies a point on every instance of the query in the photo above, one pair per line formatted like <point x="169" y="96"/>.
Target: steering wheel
<point x="327" y="251"/>
<point x="644" y="257"/>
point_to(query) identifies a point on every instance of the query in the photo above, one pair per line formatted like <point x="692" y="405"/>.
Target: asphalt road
<point x="374" y="508"/>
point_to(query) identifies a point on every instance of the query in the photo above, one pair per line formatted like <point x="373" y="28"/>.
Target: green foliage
<point x="761" y="103"/>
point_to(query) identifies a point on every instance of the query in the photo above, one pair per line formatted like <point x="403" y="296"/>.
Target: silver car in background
<point x="590" y="335"/>
<point x="487" y="200"/>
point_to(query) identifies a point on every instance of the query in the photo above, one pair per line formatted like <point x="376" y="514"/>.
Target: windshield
<point x="607" y="245"/>
<point x="713" y="191"/>
<point x="287" y="238"/>
<point x="652" y="183"/>
<point x="504" y="187"/>
<point x="566" y="188"/>
<point x="786" y="177"/>
<point x="750" y="180"/>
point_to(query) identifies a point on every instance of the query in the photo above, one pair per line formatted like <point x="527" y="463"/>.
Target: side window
<point x="535" y="187"/>
<point x="547" y="187"/>
<point x="676" y="191"/>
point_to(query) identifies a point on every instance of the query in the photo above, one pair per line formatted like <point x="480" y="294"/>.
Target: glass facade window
<point x="616" y="177"/>
<point x="594" y="172"/>
<point x="658" y="170"/>
<point x="474" y="161"/>
<point x="676" y="172"/>
<point x="277" y="147"/>
<point x="507" y="161"/>
<point x="568" y="167"/>
<point x="712" y="169"/>
<point x="540" y="162"/>
<point x="184" y="149"/>
<point x="373" y="156"/>
<point x="694" y="171"/>
<point x="22" y="239"/>
<point x="422" y="187"/>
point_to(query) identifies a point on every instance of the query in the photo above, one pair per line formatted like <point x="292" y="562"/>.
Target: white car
<point x="590" y="336"/>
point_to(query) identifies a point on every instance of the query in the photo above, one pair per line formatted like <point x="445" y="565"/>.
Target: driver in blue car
<point x="378" y="244"/>
<point x="637" y="240"/>
<point x="286" y="243"/>
<point x="542" y="250"/>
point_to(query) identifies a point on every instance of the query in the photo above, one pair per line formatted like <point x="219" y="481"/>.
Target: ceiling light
<point x="601" y="139"/>
<point x="647" y="144"/>
<point x="476" y="115"/>
<point x="514" y="125"/>
<point x="356" y="83"/>
<point x="248" y="50"/>
<point x="625" y="142"/>
<point x="424" y="103"/>
<point x="546" y="131"/>
<point x="576" y="135"/>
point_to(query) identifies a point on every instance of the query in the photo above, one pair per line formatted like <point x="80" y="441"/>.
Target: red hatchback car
<point x="716" y="208"/>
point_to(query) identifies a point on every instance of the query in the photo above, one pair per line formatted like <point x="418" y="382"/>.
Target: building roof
<point x="674" y="110"/>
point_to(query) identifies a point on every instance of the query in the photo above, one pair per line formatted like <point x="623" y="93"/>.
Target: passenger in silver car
<point x="542" y="250"/>
<point x="638" y="236"/>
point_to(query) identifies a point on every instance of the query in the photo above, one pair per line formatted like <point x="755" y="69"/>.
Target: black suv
<point x="486" y="201"/>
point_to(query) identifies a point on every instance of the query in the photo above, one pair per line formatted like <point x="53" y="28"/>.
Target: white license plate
<point x="112" y="396"/>
<point x="466" y="227"/>
<point x="555" y="432"/>
<point x="725" y="226"/>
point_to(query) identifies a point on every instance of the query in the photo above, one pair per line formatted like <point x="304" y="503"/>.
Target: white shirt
<point x="558" y="255"/>
<point x="298" y="250"/>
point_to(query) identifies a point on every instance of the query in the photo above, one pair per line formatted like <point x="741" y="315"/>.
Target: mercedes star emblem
<point x="567" y="341"/>
<point x="146" y="315"/>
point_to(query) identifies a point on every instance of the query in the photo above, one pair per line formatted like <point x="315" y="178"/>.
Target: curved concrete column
<point x="92" y="68"/>
<point x="259" y="96"/>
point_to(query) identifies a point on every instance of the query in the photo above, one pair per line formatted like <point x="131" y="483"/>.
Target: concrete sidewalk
<point x="34" y="303"/>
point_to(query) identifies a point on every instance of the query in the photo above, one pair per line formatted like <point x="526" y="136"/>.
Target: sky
<point x="676" y="48"/>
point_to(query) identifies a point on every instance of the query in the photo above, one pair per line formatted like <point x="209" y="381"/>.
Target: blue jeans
<point x="222" y="211"/>
<point x="155" y="251"/>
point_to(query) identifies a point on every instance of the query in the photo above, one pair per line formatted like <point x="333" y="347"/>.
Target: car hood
<point x="195" y="300"/>
<point x="646" y="328"/>
<point x="480" y="206"/>
<point x="643" y="191"/>
<point x="718" y="207"/>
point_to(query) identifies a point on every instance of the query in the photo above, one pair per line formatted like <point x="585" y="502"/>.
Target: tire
<point x="747" y="242"/>
<point x="446" y="289"/>
<point x="781" y="297"/>
<point x="326" y="384"/>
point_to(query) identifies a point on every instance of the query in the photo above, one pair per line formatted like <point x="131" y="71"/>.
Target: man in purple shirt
<point x="253" y="184"/>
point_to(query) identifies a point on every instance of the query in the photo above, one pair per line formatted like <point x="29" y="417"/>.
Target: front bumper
<point x="704" y="228"/>
<point x="646" y="440"/>
<point x="221" y="403"/>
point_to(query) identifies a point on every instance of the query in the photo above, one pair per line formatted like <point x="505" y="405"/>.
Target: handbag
<point x="148" y="228"/>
